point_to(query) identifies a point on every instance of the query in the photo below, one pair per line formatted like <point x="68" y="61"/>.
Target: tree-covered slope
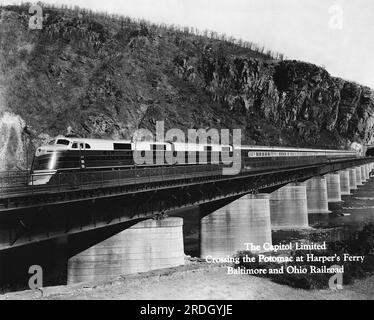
<point x="99" y="75"/>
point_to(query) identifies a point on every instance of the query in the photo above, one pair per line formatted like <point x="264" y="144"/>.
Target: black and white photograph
<point x="186" y="155"/>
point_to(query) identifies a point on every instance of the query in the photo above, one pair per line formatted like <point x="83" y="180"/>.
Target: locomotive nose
<point x="48" y="149"/>
<point x="41" y="150"/>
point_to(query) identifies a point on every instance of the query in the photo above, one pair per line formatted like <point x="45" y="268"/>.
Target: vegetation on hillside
<point x="105" y="75"/>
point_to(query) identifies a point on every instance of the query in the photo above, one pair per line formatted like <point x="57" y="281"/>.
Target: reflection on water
<point x="351" y="215"/>
<point x="346" y="219"/>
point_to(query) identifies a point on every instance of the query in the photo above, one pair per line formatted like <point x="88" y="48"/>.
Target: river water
<point x="344" y="221"/>
<point x="349" y="216"/>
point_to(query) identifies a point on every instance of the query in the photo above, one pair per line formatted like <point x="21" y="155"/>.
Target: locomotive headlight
<point x="41" y="151"/>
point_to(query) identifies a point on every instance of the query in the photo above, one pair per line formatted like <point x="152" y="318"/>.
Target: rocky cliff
<point x="96" y="75"/>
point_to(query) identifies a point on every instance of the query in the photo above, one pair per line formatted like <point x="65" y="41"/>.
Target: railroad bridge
<point x="80" y="211"/>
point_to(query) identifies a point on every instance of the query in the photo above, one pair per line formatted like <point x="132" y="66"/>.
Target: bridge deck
<point x="14" y="184"/>
<point x="109" y="198"/>
<point x="17" y="185"/>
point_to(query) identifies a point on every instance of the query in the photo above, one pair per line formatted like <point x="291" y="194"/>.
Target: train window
<point x="75" y="145"/>
<point x="63" y="141"/>
<point x="51" y="142"/>
<point x="87" y="146"/>
<point x="122" y="146"/>
<point x="81" y="145"/>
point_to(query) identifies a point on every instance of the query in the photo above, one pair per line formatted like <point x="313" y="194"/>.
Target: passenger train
<point x="66" y="154"/>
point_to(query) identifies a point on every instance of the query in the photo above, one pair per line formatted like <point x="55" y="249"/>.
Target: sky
<point x="335" y="34"/>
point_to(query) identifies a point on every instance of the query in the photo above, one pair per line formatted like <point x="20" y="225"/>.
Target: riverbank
<point x="197" y="281"/>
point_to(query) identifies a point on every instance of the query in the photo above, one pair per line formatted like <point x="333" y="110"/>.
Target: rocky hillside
<point x="97" y="75"/>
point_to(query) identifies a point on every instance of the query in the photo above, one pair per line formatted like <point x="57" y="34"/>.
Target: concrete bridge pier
<point x="352" y="179"/>
<point x="316" y="191"/>
<point x="363" y="174"/>
<point x="226" y="230"/>
<point x="344" y="183"/>
<point x="367" y="171"/>
<point x="333" y="188"/>
<point x="358" y="176"/>
<point x="288" y="207"/>
<point x="147" y="245"/>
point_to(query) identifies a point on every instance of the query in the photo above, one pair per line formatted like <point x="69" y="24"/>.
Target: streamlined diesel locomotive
<point x="65" y="154"/>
